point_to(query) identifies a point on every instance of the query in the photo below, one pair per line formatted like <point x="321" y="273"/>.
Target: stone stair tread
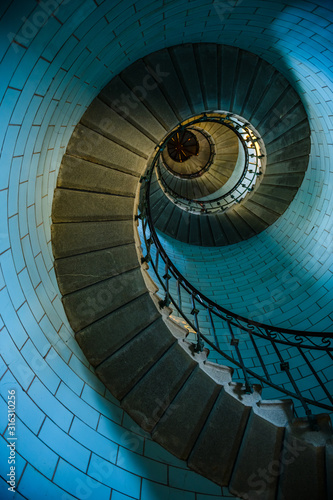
<point x="270" y="99"/>
<point x="184" y="56"/>
<point x="87" y="305"/>
<point x="287" y="166"/>
<point x="92" y="146"/>
<point x="170" y="84"/>
<point x="154" y="393"/>
<point x="243" y="228"/>
<point x="75" y="238"/>
<point x="295" y="150"/>
<point x="223" y="431"/>
<point x="229" y="229"/>
<point x="264" y="213"/>
<point x="102" y="338"/>
<point x="250" y="218"/>
<point x="303" y="459"/>
<point x="178" y="429"/>
<point x="76" y="173"/>
<point x="131" y="108"/>
<point x="229" y="60"/>
<point x="194" y="230"/>
<point x="122" y="370"/>
<point x="106" y="121"/>
<point x="220" y="238"/>
<point x="154" y="100"/>
<point x="206" y="55"/>
<point x="183" y="228"/>
<point x="247" y="66"/>
<point x="80" y="271"/>
<point x="261" y="447"/>
<point x="70" y="205"/>
<point x="205" y="231"/>
<point x="297" y="133"/>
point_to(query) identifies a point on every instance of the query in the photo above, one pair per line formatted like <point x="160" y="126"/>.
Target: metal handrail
<point x="237" y="329"/>
<point x="250" y="171"/>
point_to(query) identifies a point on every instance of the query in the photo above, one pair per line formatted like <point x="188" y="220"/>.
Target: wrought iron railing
<point x="276" y="357"/>
<point x="252" y="169"/>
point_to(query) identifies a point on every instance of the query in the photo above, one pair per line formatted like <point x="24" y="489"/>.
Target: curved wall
<point x="73" y="439"/>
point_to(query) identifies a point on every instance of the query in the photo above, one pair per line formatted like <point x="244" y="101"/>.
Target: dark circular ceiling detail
<point x="182" y="146"/>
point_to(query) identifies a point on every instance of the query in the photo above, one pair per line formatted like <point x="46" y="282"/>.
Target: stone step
<point x="76" y="173"/>
<point x="242" y="227"/>
<point x="292" y="136"/>
<point x="153" y="395"/>
<point x="296" y="150"/>
<point x="81" y="237"/>
<point x="89" y="304"/>
<point x="170" y="85"/>
<point x="250" y="218"/>
<point x="271" y="202"/>
<point x="262" y="82"/>
<point x="223" y="431"/>
<point x="119" y="97"/>
<point x="173" y="222"/>
<point x="297" y="165"/>
<point x="228" y="77"/>
<point x="267" y="215"/>
<point x="194" y="237"/>
<point x="107" y="122"/>
<point x="246" y="71"/>
<point x="260" y="450"/>
<point x="92" y="146"/>
<point x="178" y="429"/>
<point x="123" y="369"/>
<point x="207" y="237"/>
<point x="303" y="459"/>
<point x="149" y="93"/>
<point x="270" y="99"/>
<point x="183" y="228"/>
<point x="165" y="214"/>
<point x="278" y="123"/>
<point x="206" y="59"/>
<point x="70" y="205"/>
<point x="185" y="61"/>
<point x="220" y="238"/>
<point x="229" y="229"/>
<point x="102" y="338"/>
<point x="80" y="271"/>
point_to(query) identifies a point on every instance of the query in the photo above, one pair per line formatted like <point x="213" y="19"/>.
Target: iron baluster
<point x="235" y="342"/>
<point x="157" y="258"/>
<point x="315" y="375"/>
<point x="195" y="312"/>
<point x="179" y="295"/>
<point x="284" y="365"/>
<point x="213" y="326"/>
<point x="259" y="357"/>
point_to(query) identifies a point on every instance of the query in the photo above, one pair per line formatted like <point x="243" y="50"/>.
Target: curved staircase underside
<point x="190" y="405"/>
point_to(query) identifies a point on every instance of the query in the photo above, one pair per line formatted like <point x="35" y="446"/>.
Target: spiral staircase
<point x="192" y="407"/>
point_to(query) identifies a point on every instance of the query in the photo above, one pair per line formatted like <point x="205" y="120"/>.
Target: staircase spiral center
<point x="182" y="146"/>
